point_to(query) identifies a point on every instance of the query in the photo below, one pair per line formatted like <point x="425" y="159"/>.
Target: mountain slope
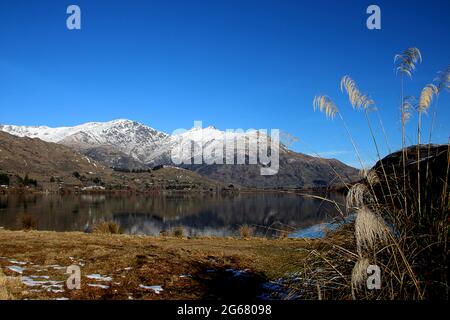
<point x="128" y="137"/>
<point x="42" y="160"/>
<point x="54" y="166"/>
<point x="129" y="144"/>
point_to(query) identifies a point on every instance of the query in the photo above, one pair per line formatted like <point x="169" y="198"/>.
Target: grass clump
<point x="402" y="206"/>
<point x="178" y="232"/>
<point x="107" y="227"/>
<point x="28" y="222"/>
<point x="245" y="231"/>
<point x="9" y="286"/>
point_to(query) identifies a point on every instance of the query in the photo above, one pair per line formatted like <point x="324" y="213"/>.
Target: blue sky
<point x="232" y="64"/>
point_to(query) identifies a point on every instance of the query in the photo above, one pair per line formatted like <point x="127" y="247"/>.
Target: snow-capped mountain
<point x="129" y="144"/>
<point x="203" y="140"/>
<point x="124" y="136"/>
<point x="124" y="139"/>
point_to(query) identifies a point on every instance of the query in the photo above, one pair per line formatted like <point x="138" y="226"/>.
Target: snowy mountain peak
<point x="127" y="136"/>
<point x="126" y="139"/>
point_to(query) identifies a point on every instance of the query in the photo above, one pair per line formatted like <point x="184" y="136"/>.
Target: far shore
<point x="225" y="190"/>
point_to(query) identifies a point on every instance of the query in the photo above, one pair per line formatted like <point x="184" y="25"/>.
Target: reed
<point x="402" y="220"/>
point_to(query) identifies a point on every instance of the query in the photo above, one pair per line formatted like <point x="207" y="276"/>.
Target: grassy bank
<point x="197" y="268"/>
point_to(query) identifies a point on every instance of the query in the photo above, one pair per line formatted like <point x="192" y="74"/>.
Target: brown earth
<point x="185" y="268"/>
<point x="56" y="167"/>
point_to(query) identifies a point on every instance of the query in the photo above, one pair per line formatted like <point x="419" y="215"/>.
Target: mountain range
<point x="129" y="144"/>
<point x="48" y="166"/>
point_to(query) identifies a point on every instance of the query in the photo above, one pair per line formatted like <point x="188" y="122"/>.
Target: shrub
<point x="245" y="231"/>
<point x="27" y="181"/>
<point x="4" y="179"/>
<point x="28" y="222"/>
<point x="178" y="232"/>
<point x="76" y="174"/>
<point x="107" y="227"/>
<point x="97" y="180"/>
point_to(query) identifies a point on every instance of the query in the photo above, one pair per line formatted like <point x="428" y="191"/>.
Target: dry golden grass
<point x="359" y="273"/>
<point x="107" y="227"/>
<point x="399" y="192"/>
<point x="9" y="287"/>
<point x="178" y="232"/>
<point x="370" y="230"/>
<point x="153" y="261"/>
<point x="245" y="231"/>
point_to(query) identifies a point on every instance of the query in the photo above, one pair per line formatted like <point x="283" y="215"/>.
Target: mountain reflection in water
<point x="201" y="215"/>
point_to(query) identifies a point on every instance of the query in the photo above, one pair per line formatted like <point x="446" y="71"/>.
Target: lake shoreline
<point x="267" y="213"/>
<point x="224" y="190"/>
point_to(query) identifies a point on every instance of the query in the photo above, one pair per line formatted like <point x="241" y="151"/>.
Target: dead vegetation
<point x="107" y="227"/>
<point x="186" y="268"/>
<point x="402" y="205"/>
<point x="10" y="287"/>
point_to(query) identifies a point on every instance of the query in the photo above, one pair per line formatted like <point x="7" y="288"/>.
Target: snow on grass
<point x="156" y="289"/>
<point x="17" y="262"/>
<point x="16" y="269"/>
<point x="40" y="277"/>
<point x="98" y="277"/>
<point x="98" y="285"/>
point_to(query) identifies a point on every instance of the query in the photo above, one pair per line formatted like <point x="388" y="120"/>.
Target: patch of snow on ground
<point x="98" y="277"/>
<point x="16" y="269"/>
<point x="98" y="285"/>
<point x="156" y="289"/>
<point x="17" y="262"/>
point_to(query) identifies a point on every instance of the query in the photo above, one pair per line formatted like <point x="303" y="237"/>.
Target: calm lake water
<point x="207" y="215"/>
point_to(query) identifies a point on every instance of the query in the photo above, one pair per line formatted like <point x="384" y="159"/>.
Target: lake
<point x="200" y="215"/>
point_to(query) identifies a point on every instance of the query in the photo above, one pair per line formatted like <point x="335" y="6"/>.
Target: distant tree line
<point x="119" y="169"/>
<point x="26" y="181"/>
<point x="4" y="179"/>
<point x="81" y="177"/>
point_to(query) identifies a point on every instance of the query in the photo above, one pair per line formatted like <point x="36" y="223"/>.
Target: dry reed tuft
<point x="406" y="61"/>
<point x="359" y="273"/>
<point x="356" y="98"/>
<point x="426" y="97"/>
<point x="107" y="227"/>
<point x="326" y="105"/>
<point x="372" y="178"/>
<point x="443" y="79"/>
<point x="245" y="231"/>
<point x="407" y="107"/>
<point x="357" y="196"/>
<point x="370" y="230"/>
<point x="413" y="199"/>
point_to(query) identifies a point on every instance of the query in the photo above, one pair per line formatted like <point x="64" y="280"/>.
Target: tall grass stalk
<point x="406" y="235"/>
